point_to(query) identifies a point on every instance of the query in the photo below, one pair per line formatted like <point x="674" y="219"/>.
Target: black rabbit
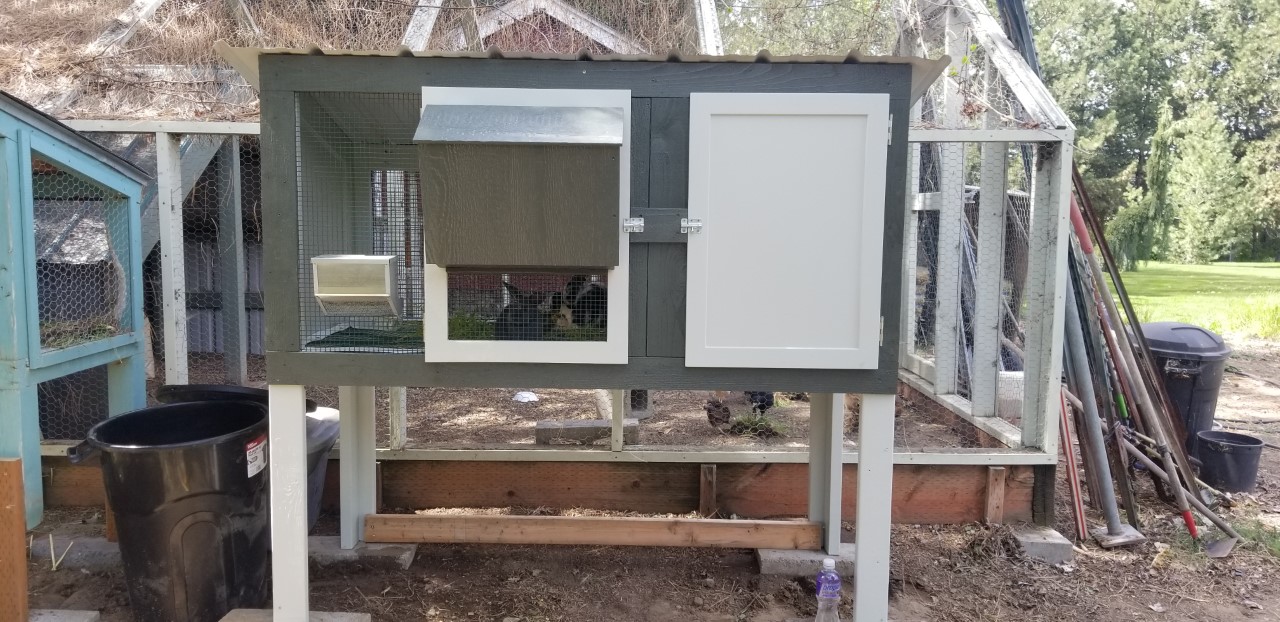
<point x="522" y="319"/>
<point x="588" y="302"/>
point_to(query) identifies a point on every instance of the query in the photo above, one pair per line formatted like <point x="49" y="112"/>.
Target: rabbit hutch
<point x="538" y="244"/>
<point x="70" y="287"/>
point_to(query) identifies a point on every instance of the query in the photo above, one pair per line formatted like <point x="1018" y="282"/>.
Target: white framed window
<point x="454" y="299"/>
<point x="790" y="191"/>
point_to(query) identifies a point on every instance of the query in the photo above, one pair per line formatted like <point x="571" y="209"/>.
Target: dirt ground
<point x="953" y="573"/>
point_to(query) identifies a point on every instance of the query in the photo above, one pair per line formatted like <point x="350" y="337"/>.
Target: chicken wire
<point x="967" y="282"/>
<point x="72" y="404"/>
<point x="527" y="306"/>
<point x="82" y="254"/>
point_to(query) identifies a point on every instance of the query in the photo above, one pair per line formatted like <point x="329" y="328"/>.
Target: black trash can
<point x="188" y="485"/>
<point x="1192" y="360"/>
<point x="322" y="429"/>
<point x="1230" y="460"/>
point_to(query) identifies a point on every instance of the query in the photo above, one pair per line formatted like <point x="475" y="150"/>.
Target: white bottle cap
<point x="828" y="564"/>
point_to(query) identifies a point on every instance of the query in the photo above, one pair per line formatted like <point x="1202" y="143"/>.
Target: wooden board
<point x="666" y="301"/>
<point x="640" y="115"/>
<point x="13" y="541"/>
<point x="592" y="530"/>
<point x="650" y="488"/>
<point x="922" y="494"/>
<point x="996" y="477"/>
<point x="707" y="493"/>
<point x="525" y="206"/>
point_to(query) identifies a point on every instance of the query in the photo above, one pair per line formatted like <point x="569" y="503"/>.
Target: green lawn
<point x="1238" y="299"/>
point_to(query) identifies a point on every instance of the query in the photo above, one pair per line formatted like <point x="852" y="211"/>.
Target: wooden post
<point x="618" y="399"/>
<point x="287" y="451"/>
<point x="13" y="540"/>
<point x="707" y="506"/>
<point x="874" y="510"/>
<point x="398" y="417"/>
<point x="357" y="466"/>
<point x="989" y="280"/>
<point x="20" y="439"/>
<point x="995" y="495"/>
<point x="172" y="270"/>
<point x="826" y="465"/>
<point x="230" y="249"/>
<point x="1046" y="291"/>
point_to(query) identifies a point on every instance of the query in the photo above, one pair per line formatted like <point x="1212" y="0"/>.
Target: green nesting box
<point x="520" y="187"/>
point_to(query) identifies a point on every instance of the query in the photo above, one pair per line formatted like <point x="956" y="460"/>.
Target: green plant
<point x="467" y="327"/>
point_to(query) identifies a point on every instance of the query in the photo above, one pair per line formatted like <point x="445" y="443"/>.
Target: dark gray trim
<point x="212" y="301"/>
<point x="638" y="280"/>
<point x="895" y="199"/>
<point x="661" y="225"/>
<point x="669" y="154"/>
<point x="644" y="79"/>
<point x="279" y="150"/>
<point x="639" y="152"/>
<point x="410" y="370"/>
<point x="667" y="292"/>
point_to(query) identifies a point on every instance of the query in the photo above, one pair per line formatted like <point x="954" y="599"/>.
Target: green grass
<point x="1237" y="299"/>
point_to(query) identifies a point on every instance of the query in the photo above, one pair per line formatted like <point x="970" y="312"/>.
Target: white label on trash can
<point x="256" y="451"/>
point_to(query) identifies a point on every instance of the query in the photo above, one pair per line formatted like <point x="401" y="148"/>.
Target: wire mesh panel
<point x="82" y="255"/>
<point x="527" y="306"/>
<point x="220" y="216"/>
<point x="72" y="404"/>
<point x="359" y="194"/>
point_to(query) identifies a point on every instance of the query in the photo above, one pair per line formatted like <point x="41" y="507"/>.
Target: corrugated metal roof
<point x="71" y="232"/>
<point x="923" y="71"/>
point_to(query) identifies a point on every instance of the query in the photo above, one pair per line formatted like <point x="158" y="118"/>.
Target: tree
<point x="1206" y="190"/>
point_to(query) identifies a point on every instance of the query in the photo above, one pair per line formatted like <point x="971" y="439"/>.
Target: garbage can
<point x="1192" y="360"/>
<point x="188" y="485"/>
<point x="322" y="429"/>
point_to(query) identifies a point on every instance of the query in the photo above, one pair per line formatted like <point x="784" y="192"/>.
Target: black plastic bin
<point x="1193" y="360"/>
<point x="188" y="485"/>
<point x="1230" y="460"/>
<point x="322" y="429"/>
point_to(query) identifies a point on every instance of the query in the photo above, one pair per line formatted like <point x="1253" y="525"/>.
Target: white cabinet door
<point x="785" y="271"/>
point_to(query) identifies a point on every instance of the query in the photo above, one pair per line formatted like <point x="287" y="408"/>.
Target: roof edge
<point x="35" y="116"/>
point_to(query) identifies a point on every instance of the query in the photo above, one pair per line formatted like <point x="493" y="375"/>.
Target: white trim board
<point x="789" y="187"/>
<point x="613" y="350"/>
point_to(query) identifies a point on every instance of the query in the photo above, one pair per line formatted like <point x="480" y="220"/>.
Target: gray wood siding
<point x="520" y="206"/>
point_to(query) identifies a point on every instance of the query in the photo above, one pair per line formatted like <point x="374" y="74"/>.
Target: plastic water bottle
<point x="828" y="592"/>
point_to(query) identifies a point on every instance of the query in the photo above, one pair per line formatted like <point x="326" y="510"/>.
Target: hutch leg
<point x="826" y="461"/>
<point x="287" y="449"/>
<point x="126" y="385"/>
<point x="875" y="494"/>
<point x="20" y="438"/>
<point x="358" y="478"/>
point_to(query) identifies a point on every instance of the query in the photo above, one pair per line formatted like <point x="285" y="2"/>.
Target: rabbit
<point x="523" y="319"/>
<point x="587" y="302"/>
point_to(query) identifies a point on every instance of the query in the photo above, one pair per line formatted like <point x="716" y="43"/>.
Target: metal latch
<point x="633" y="225"/>
<point x="690" y="225"/>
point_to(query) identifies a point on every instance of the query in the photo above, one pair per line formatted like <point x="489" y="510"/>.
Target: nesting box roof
<point x="924" y="71"/>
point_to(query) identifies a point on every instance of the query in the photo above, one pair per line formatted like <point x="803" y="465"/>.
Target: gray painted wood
<point x="520" y="206"/>
<point x="231" y="263"/>
<point x="410" y="370"/>
<point x="639" y="153"/>
<point x="895" y="199"/>
<point x="280" y="220"/>
<point x="661" y="225"/>
<point x="642" y="78"/>
<point x="638" y="312"/>
<point x="669" y="154"/>
<point x="666" y="313"/>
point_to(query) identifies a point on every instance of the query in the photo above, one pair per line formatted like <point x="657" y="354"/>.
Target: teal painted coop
<point x="70" y="287"/>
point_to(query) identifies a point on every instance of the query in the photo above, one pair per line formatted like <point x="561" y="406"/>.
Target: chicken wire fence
<point x="83" y="287"/>
<point x="968" y="281"/>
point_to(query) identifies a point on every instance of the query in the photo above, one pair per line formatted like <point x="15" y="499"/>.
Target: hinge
<point x="633" y="225"/>
<point x="891" y="129"/>
<point x="690" y="225"/>
<point x="882" y="331"/>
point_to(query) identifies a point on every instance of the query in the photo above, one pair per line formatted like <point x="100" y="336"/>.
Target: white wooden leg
<point x="398" y="417"/>
<point x="826" y="462"/>
<point x="875" y="493"/>
<point x="287" y="449"/>
<point x="618" y="404"/>
<point x="172" y="273"/>
<point x="357" y="462"/>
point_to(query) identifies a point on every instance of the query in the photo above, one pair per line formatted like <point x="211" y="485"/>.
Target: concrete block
<point x="790" y="563"/>
<point x="86" y="553"/>
<point x="583" y="431"/>
<point x="326" y="550"/>
<point x="61" y="615"/>
<point x="1044" y="544"/>
<point x="264" y="615"/>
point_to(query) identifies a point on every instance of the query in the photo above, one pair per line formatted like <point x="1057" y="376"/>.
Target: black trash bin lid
<point x="177" y="393"/>
<point x="1185" y="341"/>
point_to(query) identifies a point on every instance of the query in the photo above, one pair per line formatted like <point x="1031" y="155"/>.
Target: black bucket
<point x="188" y="485"/>
<point x="1230" y="460"/>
